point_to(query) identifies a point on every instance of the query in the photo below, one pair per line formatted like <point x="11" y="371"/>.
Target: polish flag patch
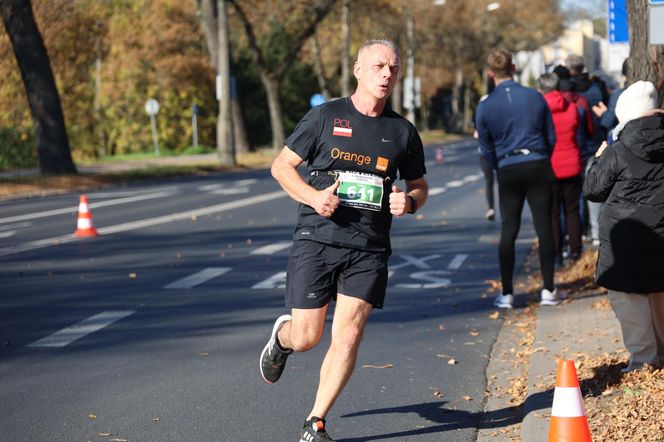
<point x="342" y="131"/>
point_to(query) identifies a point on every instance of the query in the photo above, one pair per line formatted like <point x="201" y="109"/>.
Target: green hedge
<point x="17" y="149"/>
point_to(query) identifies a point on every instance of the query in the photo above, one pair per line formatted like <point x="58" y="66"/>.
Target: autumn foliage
<point x="109" y="57"/>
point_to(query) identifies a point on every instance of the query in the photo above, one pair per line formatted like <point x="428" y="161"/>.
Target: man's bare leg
<point x="350" y="316"/>
<point x="304" y="330"/>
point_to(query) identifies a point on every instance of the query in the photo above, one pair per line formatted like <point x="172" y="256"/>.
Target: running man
<point x="354" y="149"/>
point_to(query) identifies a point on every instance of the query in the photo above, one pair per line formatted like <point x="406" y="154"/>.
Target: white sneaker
<point x="595" y="242"/>
<point x="549" y="298"/>
<point x="503" y="301"/>
<point x="490" y="214"/>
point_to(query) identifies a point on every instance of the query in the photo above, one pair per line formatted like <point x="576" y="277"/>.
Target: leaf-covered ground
<point x="619" y="407"/>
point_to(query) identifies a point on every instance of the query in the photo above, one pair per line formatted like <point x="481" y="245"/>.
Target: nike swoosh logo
<point x="386" y="141"/>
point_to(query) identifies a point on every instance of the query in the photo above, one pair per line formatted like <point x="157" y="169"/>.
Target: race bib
<point x="361" y="190"/>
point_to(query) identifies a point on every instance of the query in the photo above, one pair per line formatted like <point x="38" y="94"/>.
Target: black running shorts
<point x="317" y="272"/>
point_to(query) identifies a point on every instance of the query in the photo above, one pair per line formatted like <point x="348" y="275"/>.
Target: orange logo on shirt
<point x="381" y="164"/>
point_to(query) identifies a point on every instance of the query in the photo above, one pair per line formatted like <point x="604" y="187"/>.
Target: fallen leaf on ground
<point x="378" y="366"/>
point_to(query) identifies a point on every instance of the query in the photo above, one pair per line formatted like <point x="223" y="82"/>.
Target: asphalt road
<point x="152" y="331"/>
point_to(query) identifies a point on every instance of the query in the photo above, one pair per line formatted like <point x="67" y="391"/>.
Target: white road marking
<point x="198" y="278"/>
<point x="418" y="263"/>
<point x="434" y="278"/>
<point x="455" y="183"/>
<point x="457" y="262"/>
<point x="133" y="225"/>
<point x="85" y="327"/>
<point x="272" y="248"/>
<point x="15" y="226"/>
<point x="73" y="209"/>
<point x="230" y="191"/>
<point x="118" y="194"/>
<point x="472" y="178"/>
<point x="276" y="281"/>
<point x="495" y="239"/>
<point x="210" y="187"/>
<point x="437" y="191"/>
<point x="246" y="182"/>
<point x="7" y="233"/>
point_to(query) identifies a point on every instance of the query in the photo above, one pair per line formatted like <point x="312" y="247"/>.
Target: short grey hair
<point x="575" y="63"/>
<point x="379" y="41"/>
<point x="547" y="82"/>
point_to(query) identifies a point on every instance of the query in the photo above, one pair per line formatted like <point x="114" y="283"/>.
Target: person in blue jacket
<point x="516" y="135"/>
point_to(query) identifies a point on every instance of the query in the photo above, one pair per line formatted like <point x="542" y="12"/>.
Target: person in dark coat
<point x="566" y="164"/>
<point x="595" y="93"/>
<point x="628" y="177"/>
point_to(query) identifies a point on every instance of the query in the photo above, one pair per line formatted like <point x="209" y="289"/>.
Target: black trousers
<point x="566" y="193"/>
<point x="531" y="181"/>
<point x="487" y="169"/>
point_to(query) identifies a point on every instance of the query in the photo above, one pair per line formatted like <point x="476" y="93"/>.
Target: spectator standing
<point x="593" y="92"/>
<point x="607" y="113"/>
<point x="628" y="176"/>
<point x="517" y="136"/>
<point x="566" y="164"/>
<point x="586" y="122"/>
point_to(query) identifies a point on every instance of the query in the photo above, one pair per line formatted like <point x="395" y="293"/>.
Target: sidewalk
<point x="123" y="166"/>
<point x="580" y="327"/>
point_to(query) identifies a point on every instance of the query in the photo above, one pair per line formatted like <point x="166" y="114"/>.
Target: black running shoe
<point x="273" y="358"/>
<point x="314" y="431"/>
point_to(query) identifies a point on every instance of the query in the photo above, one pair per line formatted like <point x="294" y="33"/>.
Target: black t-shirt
<point x="368" y="151"/>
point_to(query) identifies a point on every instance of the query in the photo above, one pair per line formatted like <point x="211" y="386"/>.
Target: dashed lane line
<point x="457" y="262"/>
<point x="271" y="249"/>
<point x="198" y="278"/>
<point x="76" y="331"/>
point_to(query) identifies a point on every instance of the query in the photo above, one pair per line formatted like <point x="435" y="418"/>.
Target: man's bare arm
<point x="400" y="203"/>
<point x="284" y="170"/>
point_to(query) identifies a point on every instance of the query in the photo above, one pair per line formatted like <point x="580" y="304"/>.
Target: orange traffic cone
<point x="84" y="226"/>
<point x="439" y="155"/>
<point x="568" y="416"/>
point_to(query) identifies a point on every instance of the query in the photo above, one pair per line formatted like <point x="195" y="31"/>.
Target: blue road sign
<point x="618" y="31"/>
<point x="316" y="99"/>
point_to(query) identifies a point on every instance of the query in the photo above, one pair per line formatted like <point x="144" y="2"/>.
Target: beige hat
<point x="634" y="102"/>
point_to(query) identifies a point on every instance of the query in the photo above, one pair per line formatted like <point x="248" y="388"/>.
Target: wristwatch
<point x="413" y="204"/>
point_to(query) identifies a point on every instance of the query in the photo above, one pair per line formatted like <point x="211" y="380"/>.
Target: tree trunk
<point x="397" y="97"/>
<point x="242" y="144"/>
<point x="225" y="142"/>
<point x="645" y="60"/>
<point x="208" y="14"/>
<point x="273" y="73"/>
<point x="345" y="51"/>
<point x="274" y="104"/>
<point x="318" y="69"/>
<point x="50" y="133"/>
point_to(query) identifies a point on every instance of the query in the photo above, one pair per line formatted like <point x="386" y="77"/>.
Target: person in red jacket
<point x="567" y="167"/>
